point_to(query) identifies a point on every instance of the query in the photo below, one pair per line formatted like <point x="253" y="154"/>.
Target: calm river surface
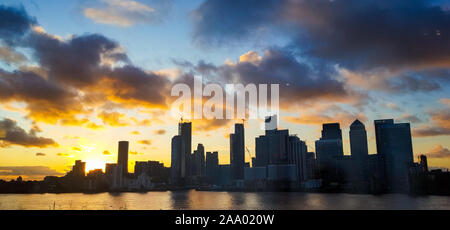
<point x="218" y="200"/>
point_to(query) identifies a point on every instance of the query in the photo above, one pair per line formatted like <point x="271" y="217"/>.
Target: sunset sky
<point x="78" y="76"/>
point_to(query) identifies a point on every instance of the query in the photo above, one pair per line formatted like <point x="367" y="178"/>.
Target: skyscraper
<point x="358" y="140"/>
<point x="377" y="125"/>
<point x="360" y="153"/>
<point x="396" y="145"/>
<point x="237" y="152"/>
<point x="329" y="148"/>
<point x="122" y="159"/>
<point x="176" y="158"/>
<point x="331" y="131"/>
<point x="199" y="161"/>
<point x="272" y="148"/>
<point x="78" y="170"/>
<point x="185" y="133"/>
<point x="212" y="166"/>
<point x="297" y="156"/>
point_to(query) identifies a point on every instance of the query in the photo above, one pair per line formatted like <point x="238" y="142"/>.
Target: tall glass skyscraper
<point x="394" y="142"/>
<point x="237" y="152"/>
<point x="359" y="152"/>
<point x="185" y="133"/>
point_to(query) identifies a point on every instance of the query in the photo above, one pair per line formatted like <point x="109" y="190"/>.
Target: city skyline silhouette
<point x="78" y="77"/>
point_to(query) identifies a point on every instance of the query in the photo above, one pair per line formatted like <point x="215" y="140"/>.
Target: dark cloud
<point x="40" y="154"/>
<point x="46" y="100"/>
<point x="299" y="82"/>
<point x="14" y="23"/>
<point x="27" y="171"/>
<point x="217" y="22"/>
<point x="78" y="74"/>
<point x="15" y="135"/>
<point x="77" y="61"/>
<point x="357" y="34"/>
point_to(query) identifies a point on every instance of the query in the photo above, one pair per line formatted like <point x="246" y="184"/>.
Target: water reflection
<point x="191" y="199"/>
<point x="180" y="199"/>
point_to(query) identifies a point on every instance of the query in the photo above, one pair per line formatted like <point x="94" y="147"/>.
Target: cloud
<point x="135" y="133"/>
<point x="159" y="132"/>
<point x="92" y="125"/>
<point x="94" y="72"/>
<point x="14" y="23"/>
<point x="326" y="115"/>
<point x="299" y="82"/>
<point x="15" y="135"/>
<point x="445" y="101"/>
<point x="391" y="46"/>
<point x="9" y="56"/>
<point x="394" y="82"/>
<point x="357" y="34"/>
<point x="27" y="171"/>
<point x="145" y="142"/>
<point x="409" y="118"/>
<point x="217" y="22"/>
<point x="40" y="154"/>
<point x="62" y="154"/>
<point x="125" y="13"/>
<point x="440" y="124"/>
<point x="438" y="152"/>
<point x="113" y="118"/>
<point x="106" y="152"/>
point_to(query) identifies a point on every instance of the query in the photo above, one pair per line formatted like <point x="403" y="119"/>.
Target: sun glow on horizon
<point x="95" y="164"/>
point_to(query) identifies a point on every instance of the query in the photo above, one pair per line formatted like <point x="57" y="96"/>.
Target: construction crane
<point x="250" y="155"/>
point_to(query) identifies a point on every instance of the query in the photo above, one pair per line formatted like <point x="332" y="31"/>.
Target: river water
<point x="219" y="200"/>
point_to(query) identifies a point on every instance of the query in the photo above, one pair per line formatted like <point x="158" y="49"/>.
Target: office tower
<point x="177" y="157"/>
<point x="272" y="148"/>
<point x="261" y="151"/>
<point x="79" y="169"/>
<point x="377" y="125"/>
<point x="329" y="147"/>
<point x="331" y="131"/>
<point x="328" y="151"/>
<point x="358" y="140"/>
<point x="212" y="166"/>
<point x="297" y="156"/>
<point x="237" y="152"/>
<point x="396" y="145"/>
<point x="109" y="169"/>
<point x="122" y="159"/>
<point x="199" y="161"/>
<point x="154" y="169"/>
<point x="359" y="151"/>
<point x="185" y="133"/>
<point x="141" y="167"/>
<point x="423" y="163"/>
